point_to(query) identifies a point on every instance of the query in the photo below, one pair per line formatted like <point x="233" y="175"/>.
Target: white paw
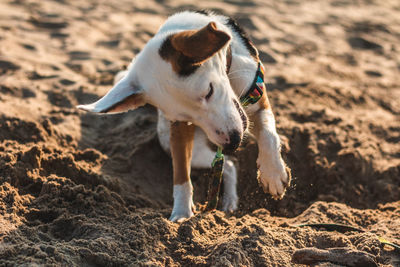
<point x="180" y="215"/>
<point x="183" y="202"/>
<point x="229" y="202"/>
<point x="274" y="176"/>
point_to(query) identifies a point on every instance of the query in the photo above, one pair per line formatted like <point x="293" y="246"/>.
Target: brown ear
<point x="199" y="45"/>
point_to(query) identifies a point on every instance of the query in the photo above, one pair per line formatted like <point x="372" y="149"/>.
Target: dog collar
<point x="256" y="89"/>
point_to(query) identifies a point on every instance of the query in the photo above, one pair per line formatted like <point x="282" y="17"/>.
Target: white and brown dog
<point x="195" y="70"/>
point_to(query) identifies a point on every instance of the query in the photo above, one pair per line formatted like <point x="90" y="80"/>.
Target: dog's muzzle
<point x="234" y="141"/>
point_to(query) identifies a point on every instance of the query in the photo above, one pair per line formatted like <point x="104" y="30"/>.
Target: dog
<point x="194" y="71"/>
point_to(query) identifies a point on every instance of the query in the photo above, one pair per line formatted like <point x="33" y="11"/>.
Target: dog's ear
<point x="199" y="45"/>
<point x="122" y="97"/>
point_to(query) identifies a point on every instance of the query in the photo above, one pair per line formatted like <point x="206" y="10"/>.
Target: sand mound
<point x="83" y="190"/>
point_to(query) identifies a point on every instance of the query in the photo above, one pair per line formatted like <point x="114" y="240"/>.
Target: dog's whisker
<point x="236" y="71"/>
<point x="237" y="75"/>
<point x="242" y="92"/>
<point x="241" y="70"/>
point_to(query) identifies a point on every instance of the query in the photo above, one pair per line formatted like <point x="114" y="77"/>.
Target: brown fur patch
<point x="181" y="139"/>
<point x="188" y="49"/>
<point x="263" y="103"/>
<point x="131" y="102"/>
<point x="181" y="64"/>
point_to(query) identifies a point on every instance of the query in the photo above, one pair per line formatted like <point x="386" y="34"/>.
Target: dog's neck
<point x="241" y="65"/>
<point x="256" y="89"/>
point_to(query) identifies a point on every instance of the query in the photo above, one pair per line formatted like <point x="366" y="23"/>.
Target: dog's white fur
<point x="182" y="99"/>
<point x="183" y="202"/>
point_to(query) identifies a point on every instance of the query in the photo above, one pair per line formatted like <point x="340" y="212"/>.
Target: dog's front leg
<point x="273" y="175"/>
<point x="181" y="139"/>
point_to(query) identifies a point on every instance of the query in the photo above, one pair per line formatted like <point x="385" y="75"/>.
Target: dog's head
<point x="184" y="75"/>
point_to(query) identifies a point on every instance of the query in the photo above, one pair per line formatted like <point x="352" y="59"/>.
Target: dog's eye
<point x="210" y="92"/>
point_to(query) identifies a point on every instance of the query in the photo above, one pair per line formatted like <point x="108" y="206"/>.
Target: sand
<point x="79" y="189"/>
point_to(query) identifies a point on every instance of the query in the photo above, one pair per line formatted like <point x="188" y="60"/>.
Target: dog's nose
<point x="234" y="141"/>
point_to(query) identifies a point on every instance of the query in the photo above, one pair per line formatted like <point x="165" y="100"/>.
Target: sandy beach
<point x="78" y="189"/>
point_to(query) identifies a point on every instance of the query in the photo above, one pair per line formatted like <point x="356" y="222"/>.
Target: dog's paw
<point x="229" y="202"/>
<point x="183" y="202"/>
<point x="180" y="216"/>
<point x="274" y="178"/>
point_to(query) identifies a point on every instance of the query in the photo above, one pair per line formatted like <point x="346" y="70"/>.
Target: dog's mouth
<point x="228" y="136"/>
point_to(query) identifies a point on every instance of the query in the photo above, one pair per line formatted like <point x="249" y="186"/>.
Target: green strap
<point x="218" y="156"/>
<point x="217" y="169"/>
